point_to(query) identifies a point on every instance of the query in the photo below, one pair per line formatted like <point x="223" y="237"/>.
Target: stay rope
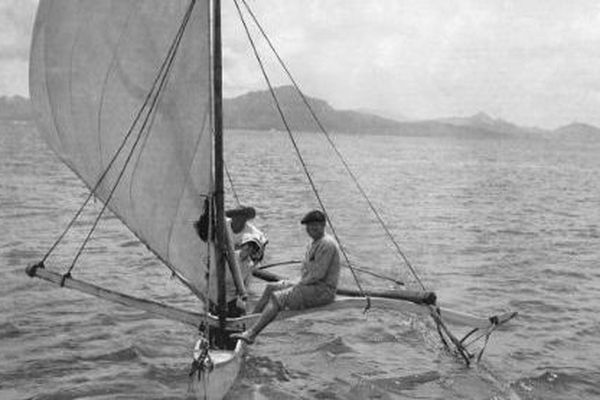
<point x="233" y="191"/>
<point x="334" y="147"/>
<point x="148" y="107"/>
<point x="299" y="154"/>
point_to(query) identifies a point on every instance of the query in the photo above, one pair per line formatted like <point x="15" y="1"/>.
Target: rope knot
<point x="64" y="278"/>
<point x="368" y="305"/>
<point x="202" y="362"/>
<point x="31" y="270"/>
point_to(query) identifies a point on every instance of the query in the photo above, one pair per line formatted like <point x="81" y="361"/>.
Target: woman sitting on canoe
<point x="249" y="246"/>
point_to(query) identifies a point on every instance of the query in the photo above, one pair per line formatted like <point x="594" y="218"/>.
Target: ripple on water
<point x="9" y="330"/>
<point x="558" y="385"/>
<point x="335" y="346"/>
<point x="262" y="367"/>
<point x="127" y="354"/>
<point x="402" y="384"/>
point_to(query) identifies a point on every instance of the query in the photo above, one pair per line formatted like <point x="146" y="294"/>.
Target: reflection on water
<point x="489" y="224"/>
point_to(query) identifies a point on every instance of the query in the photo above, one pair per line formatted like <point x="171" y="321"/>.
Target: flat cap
<point x="313" y="216"/>
<point x="241" y="212"/>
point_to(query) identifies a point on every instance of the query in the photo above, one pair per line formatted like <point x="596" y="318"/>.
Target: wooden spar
<point x="234" y="267"/>
<point x="219" y="193"/>
<point x="266" y="276"/>
<point x="195" y="319"/>
<point x="191" y="318"/>
<point x="413" y="296"/>
<point x="418" y="297"/>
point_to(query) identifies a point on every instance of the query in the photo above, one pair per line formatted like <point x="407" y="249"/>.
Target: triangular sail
<point x="92" y="65"/>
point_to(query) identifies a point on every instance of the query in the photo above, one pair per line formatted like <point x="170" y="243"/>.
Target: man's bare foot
<point x="244" y="336"/>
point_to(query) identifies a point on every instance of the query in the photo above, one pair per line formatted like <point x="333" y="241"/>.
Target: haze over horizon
<point x="530" y="63"/>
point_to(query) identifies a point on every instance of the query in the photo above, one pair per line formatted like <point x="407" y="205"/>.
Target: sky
<point x="530" y="62"/>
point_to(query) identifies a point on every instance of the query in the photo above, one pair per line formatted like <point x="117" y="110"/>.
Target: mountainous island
<point x="257" y="111"/>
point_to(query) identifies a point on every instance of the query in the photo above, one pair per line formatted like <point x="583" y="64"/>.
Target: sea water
<point x="491" y="224"/>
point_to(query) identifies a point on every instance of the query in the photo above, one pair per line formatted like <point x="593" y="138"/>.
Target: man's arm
<point x="318" y="265"/>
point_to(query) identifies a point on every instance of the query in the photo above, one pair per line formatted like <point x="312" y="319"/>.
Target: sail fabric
<point x="92" y="65"/>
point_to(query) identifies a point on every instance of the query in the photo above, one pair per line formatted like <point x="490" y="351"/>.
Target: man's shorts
<point x="299" y="297"/>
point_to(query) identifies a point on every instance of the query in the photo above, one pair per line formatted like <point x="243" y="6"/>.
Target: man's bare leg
<point x="266" y="295"/>
<point x="268" y="315"/>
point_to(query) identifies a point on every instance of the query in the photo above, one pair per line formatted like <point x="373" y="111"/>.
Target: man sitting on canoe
<point x="317" y="285"/>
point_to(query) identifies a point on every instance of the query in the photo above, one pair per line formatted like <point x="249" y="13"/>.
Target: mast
<point x="218" y="137"/>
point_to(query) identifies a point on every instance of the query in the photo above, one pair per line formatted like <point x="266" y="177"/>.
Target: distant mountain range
<point x="257" y="111"/>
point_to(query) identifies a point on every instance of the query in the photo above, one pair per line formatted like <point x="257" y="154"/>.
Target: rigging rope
<point x="150" y="104"/>
<point x="340" y="156"/>
<point x="364" y="271"/>
<point x="298" y="153"/>
<point x="233" y="191"/>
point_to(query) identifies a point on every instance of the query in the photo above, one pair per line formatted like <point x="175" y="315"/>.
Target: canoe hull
<point x="218" y="382"/>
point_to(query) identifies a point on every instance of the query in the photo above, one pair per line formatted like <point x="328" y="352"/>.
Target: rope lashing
<point x="64" y="278"/>
<point x="443" y="330"/>
<point x="202" y="362"/>
<point x="495" y="322"/>
<point x="32" y="269"/>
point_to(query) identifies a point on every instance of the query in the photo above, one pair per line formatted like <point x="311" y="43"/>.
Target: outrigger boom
<point x="401" y="300"/>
